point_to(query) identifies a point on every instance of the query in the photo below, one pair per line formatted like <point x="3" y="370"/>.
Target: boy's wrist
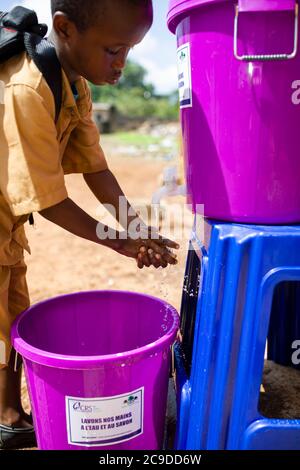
<point x="117" y="243"/>
<point x="114" y="241"/>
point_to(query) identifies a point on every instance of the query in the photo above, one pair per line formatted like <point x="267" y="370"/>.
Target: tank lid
<point x="177" y="7"/>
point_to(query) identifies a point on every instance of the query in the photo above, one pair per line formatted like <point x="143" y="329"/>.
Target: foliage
<point x="133" y="97"/>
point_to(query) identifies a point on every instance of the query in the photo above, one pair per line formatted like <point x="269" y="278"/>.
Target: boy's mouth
<point x="114" y="79"/>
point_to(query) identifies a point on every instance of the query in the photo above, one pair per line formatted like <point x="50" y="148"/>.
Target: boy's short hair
<point x="85" y="13"/>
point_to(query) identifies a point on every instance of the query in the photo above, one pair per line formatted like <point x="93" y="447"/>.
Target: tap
<point x="170" y="186"/>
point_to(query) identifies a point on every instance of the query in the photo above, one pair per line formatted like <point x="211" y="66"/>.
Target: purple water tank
<point x="239" y="82"/>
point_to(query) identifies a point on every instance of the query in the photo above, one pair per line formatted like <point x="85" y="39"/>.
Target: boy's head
<point x="94" y="37"/>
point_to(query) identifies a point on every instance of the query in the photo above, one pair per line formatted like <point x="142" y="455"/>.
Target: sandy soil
<point x="61" y="263"/>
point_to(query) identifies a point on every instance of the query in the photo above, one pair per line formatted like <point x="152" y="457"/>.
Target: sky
<point x="157" y="52"/>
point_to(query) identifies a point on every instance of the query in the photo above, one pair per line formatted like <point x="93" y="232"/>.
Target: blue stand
<point x="246" y="272"/>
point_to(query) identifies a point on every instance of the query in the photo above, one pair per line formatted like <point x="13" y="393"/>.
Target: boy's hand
<point x="149" y="251"/>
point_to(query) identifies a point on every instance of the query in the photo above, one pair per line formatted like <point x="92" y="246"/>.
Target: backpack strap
<point x="44" y="56"/>
<point x="19" y="31"/>
<point x="22" y="31"/>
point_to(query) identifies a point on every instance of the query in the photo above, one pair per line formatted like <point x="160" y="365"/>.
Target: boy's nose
<point x="118" y="67"/>
<point x="119" y="64"/>
<point x="120" y="60"/>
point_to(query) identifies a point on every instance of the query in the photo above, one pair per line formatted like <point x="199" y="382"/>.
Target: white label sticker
<point x="2" y="89"/>
<point x="184" y="76"/>
<point x="105" y="421"/>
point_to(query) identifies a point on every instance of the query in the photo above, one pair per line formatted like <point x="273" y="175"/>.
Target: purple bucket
<point x="239" y="81"/>
<point x="97" y="367"/>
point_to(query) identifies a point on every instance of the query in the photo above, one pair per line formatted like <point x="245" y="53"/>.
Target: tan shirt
<point x="35" y="154"/>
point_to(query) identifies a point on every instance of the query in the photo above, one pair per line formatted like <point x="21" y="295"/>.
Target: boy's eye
<point x="111" y="51"/>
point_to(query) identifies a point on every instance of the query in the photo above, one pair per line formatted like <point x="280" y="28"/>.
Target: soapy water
<point x="165" y="324"/>
<point x="169" y="276"/>
<point x="189" y="289"/>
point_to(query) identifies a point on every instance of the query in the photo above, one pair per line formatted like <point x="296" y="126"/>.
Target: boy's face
<point x="99" y="53"/>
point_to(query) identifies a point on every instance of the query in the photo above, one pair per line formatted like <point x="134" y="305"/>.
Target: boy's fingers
<point x="154" y="258"/>
<point x="167" y="242"/>
<point x="157" y="248"/>
<point x="167" y="255"/>
<point x="146" y="261"/>
<point x="143" y="252"/>
<point x="154" y="231"/>
<point x="170" y="259"/>
<point x="140" y="261"/>
<point x="164" y="264"/>
<point x="167" y="258"/>
<point x="160" y="240"/>
<point x="162" y="249"/>
<point x="157" y="263"/>
<point x="157" y="255"/>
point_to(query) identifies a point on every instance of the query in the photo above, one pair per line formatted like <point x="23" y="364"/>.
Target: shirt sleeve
<point x="83" y="153"/>
<point x="31" y="174"/>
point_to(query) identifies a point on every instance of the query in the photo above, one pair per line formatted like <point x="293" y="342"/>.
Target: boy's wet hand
<point x="149" y="252"/>
<point x="161" y="250"/>
<point x="155" y="259"/>
<point x="157" y="253"/>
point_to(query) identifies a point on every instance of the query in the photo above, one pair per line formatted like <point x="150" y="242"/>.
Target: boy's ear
<point x="63" y="27"/>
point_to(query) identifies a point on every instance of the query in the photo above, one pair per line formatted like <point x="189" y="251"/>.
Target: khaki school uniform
<point x="35" y="154"/>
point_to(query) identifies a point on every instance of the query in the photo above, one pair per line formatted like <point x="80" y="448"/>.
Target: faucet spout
<point x="170" y="186"/>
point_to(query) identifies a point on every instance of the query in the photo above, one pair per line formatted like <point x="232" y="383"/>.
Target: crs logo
<point x="130" y="400"/>
<point x="80" y="407"/>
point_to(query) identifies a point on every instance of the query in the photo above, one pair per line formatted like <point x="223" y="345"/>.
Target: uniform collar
<point x="81" y="105"/>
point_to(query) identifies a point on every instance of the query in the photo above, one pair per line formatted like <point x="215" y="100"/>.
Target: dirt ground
<point x="61" y="263"/>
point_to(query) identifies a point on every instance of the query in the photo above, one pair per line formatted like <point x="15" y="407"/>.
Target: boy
<point x="92" y="39"/>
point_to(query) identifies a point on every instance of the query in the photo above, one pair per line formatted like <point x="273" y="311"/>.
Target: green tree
<point x="133" y="76"/>
<point x="134" y="97"/>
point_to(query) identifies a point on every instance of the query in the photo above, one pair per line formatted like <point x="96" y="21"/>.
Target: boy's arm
<point x="107" y="190"/>
<point x="72" y="218"/>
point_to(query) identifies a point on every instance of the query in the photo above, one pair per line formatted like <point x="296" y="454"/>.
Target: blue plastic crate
<point x="247" y="273"/>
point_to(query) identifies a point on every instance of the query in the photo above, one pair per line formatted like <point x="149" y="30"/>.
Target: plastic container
<point x="239" y="84"/>
<point x="97" y="369"/>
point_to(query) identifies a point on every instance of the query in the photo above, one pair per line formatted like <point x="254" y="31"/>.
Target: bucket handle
<point x="264" y="57"/>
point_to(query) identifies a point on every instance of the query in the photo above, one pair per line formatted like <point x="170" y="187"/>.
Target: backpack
<point x="20" y="31"/>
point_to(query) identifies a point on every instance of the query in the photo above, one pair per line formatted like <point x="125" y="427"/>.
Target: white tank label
<point x="105" y="421"/>
<point x="184" y="76"/>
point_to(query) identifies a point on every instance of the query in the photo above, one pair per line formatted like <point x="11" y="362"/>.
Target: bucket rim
<point x="63" y="361"/>
<point x="178" y="7"/>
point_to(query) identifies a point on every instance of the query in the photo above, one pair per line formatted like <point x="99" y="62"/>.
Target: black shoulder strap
<point x="19" y="31"/>
<point x="44" y="56"/>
